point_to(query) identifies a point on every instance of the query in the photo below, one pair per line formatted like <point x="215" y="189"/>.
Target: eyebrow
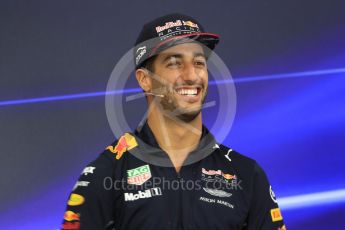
<point x="178" y="55"/>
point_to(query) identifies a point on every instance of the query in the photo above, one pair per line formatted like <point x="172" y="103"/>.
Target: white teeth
<point x="187" y="92"/>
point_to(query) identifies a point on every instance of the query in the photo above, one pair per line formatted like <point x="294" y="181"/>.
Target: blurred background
<point x="287" y="59"/>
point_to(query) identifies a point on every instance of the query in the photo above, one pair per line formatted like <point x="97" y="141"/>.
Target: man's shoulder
<point x="109" y="160"/>
<point x="119" y="148"/>
<point x="238" y="160"/>
<point x="115" y="152"/>
<point x="246" y="167"/>
<point x="236" y="156"/>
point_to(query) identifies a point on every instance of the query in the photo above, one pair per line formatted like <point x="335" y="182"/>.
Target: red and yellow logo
<point x="126" y="142"/>
<point x="276" y="215"/>
<point x="71" y="216"/>
<point x="70" y="226"/>
<point x="282" y="227"/>
<point x="75" y="200"/>
<point x="229" y="176"/>
<point x="190" y="23"/>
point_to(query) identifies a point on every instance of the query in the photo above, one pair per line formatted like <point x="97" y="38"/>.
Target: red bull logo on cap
<point x="168" y="25"/>
<point x="190" y="23"/>
<point x="126" y="142"/>
<point x="176" y="24"/>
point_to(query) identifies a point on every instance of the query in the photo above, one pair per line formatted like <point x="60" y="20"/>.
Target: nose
<point x="190" y="74"/>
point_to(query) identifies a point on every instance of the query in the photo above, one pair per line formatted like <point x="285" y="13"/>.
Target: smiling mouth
<point x="188" y="91"/>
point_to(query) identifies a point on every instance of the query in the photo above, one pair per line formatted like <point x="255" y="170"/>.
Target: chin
<point x="188" y="115"/>
<point x="183" y="112"/>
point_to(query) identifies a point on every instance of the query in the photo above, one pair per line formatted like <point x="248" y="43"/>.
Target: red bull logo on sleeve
<point x="125" y="143"/>
<point x="70" y="226"/>
<point x="75" y="200"/>
<point x="71" y="216"/>
<point x="276" y="215"/>
<point x="282" y="228"/>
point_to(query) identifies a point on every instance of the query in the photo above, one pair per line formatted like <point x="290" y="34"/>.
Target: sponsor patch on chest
<point x="139" y="175"/>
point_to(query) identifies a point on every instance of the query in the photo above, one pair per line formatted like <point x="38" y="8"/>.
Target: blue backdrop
<point x="287" y="60"/>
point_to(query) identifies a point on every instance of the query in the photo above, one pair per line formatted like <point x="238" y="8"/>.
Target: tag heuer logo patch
<point x="139" y="175"/>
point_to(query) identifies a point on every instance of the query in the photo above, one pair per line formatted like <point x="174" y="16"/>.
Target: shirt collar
<point x="148" y="149"/>
<point x="145" y="133"/>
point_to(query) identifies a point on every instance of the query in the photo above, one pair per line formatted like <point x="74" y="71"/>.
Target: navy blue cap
<point x="169" y="30"/>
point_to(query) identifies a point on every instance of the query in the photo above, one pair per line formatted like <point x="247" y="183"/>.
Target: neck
<point x="175" y="137"/>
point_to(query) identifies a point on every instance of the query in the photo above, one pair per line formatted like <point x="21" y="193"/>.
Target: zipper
<point x="179" y="209"/>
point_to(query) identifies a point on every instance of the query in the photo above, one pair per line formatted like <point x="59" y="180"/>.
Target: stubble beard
<point x="171" y="107"/>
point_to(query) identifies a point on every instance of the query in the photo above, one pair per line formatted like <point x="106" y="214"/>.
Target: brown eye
<point x="200" y="63"/>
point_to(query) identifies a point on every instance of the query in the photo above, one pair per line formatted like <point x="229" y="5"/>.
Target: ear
<point x="144" y="79"/>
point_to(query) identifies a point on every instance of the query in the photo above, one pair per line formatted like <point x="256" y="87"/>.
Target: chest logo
<point x="139" y="175"/>
<point x="148" y="193"/>
<point x="218" y="173"/>
<point x="217" y="192"/>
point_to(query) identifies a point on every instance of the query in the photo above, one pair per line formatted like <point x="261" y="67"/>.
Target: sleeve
<point x="91" y="202"/>
<point x="264" y="212"/>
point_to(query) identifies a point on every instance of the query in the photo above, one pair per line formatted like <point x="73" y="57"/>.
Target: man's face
<point x="180" y="74"/>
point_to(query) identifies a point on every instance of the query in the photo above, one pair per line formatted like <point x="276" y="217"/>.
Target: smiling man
<point x="171" y="173"/>
<point x="179" y="77"/>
